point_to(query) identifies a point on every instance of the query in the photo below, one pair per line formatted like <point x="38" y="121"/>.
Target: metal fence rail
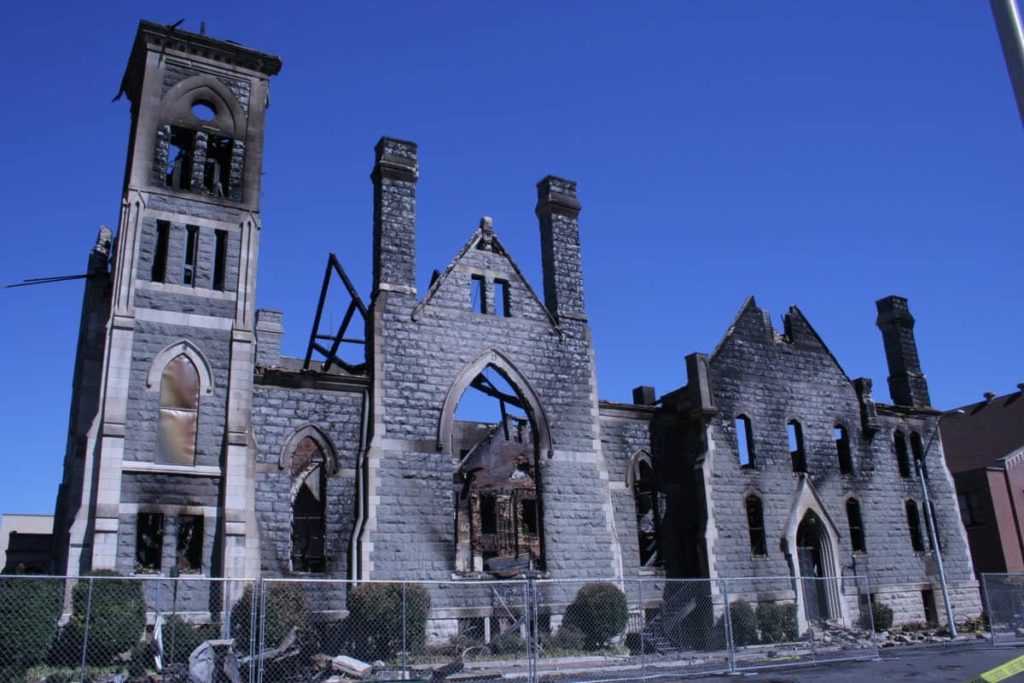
<point x="192" y="629"/>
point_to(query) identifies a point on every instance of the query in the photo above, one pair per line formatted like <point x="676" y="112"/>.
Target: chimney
<point x="907" y="384"/>
<point x="644" y="396"/>
<point x="269" y="330"/>
<point x="558" y="210"/>
<point x="394" y="216"/>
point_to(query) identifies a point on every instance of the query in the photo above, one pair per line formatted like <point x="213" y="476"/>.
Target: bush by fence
<point x="29" y="611"/>
<point x="599" y="611"/>
<point x="111" y="610"/>
<point x="375" y="618"/>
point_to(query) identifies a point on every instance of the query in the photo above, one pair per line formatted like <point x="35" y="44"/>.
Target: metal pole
<point x="643" y="627"/>
<point x="930" y="523"/>
<point x="1008" y="25"/>
<point x="727" y="617"/>
<point x="405" y="658"/>
<point x="88" y="618"/>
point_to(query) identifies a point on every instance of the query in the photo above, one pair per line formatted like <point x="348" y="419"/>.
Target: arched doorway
<point x="814" y="555"/>
<point x="496" y="482"/>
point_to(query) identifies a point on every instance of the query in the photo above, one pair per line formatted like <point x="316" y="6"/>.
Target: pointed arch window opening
<point x="795" y="437"/>
<point x="899" y="444"/>
<point x="498" y="511"/>
<point x="650" y="506"/>
<point x="856" y="523"/>
<point x="744" y="441"/>
<point x="179" y="412"/>
<point x="309" y="507"/>
<point x="914" y="526"/>
<point x="842" y="441"/>
<point x="755" y="526"/>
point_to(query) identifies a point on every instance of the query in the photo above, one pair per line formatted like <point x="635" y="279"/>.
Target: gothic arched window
<point x="308" y="506"/>
<point x="648" y="511"/>
<point x="179" y="412"/>
<point x="856" y="525"/>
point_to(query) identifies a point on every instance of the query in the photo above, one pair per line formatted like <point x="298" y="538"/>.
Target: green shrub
<point x="744" y="623"/>
<point x="285" y="609"/>
<point x="569" y="638"/>
<point x="142" y="659"/>
<point x="777" y="622"/>
<point x="29" y="611"/>
<point x="375" y="618"/>
<point x="116" y="614"/>
<point x="509" y="642"/>
<point x="600" y="611"/>
<point x="180" y="638"/>
<point x="881" y="616"/>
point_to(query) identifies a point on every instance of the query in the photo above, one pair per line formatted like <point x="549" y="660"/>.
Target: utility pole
<point x="1007" y="16"/>
<point x="930" y="522"/>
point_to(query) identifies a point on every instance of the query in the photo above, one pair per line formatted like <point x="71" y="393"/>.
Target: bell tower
<point x="169" y="448"/>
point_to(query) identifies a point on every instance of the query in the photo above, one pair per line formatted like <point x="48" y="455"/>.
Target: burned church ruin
<point x="196" y="447"/>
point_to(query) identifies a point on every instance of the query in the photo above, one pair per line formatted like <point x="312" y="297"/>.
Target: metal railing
<point x="109" y="628"/>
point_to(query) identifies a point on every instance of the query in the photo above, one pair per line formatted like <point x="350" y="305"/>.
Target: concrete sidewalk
<point x="953" y="663"/>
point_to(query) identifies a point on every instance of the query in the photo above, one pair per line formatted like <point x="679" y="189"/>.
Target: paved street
<point x="959" y="664"/>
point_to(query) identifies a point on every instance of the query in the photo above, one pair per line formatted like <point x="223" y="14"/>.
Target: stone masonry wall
<point x="277" y="414"/>
<point x="422" y="353"/>
<point x="772" y="378"/>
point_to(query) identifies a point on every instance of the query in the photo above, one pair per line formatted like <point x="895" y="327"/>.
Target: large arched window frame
<point x="181" y="376"/>
<point x="310" y="460"/>
<point x="641" y="480"/>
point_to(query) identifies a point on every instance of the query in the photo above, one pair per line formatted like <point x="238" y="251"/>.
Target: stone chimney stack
<point x="558" y="210"/>
<point x="394" y="216"/>
<point x="907" y="384"/>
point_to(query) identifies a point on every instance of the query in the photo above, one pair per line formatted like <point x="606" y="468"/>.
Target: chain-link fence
<point x="1003" y="595"/>
<point x="103" y="627"/>
<point x="108" y="629"/>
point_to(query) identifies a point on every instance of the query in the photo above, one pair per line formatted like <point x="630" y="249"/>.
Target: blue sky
<point x="817" y="154"/>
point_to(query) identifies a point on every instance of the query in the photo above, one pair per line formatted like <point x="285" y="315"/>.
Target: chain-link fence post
<point x="261" y="622"/>
<point x="871" y="612"/>
<point x="643" y="627"/>
<point x="88" y="618"/>
<point x="405" y="641"/>
<point x="727" y="619"/>
<point x="529" y="610"/>
<point x="986" y="609"/>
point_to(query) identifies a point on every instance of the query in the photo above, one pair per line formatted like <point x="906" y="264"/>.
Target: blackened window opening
<point x="477" y="293"/>
<point x="755" y="523"/>
<point x="501" y="299"/>
<point x="220" y="258"/>
<point x="528" y="513"/>
<point x="842" y="439"/>
<point x="856" y="525"/>
<point x="217" y="167"/>
<point x="914" y="525"/>
<point x="918" y="449"/>
<point x="899" y="442"/>
<point x="795" y="434"/>
<point x="744" y="441"/>
<point x="149" y="542"/>
<point x="163" y="233"/>
<point x="179" y="158"/>
<point x="190" y="544"/>
<point x="488" y="515"/>
<point x="191" y="253"/>
<point x="648" y="513"/>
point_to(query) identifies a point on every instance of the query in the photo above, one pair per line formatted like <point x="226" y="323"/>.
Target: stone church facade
<point x="195" y="447"/>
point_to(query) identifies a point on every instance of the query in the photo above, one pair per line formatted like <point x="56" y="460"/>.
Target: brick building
<point x="984" y="444"/>
<point x="195" y="447"/>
